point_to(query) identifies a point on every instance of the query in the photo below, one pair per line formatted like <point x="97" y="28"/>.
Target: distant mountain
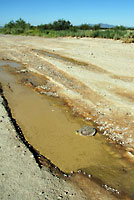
<point x="112" y="26"/>
<point x="104" y="25"/>
<point x="1" y="26"/>
<point x="107" y="25"/>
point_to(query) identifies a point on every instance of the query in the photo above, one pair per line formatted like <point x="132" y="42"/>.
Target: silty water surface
<point x="50" y="128"/>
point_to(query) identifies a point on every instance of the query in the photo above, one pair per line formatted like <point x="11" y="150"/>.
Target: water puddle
<point x="10" y="63"/>
<point x="50" y="128"/>
<point x="62" y="58"/>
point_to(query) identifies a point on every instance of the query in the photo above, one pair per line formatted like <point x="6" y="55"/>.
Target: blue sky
<point x="117" y="12"/>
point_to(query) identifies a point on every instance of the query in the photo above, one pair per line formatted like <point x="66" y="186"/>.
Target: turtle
<point x="87" y="131"/>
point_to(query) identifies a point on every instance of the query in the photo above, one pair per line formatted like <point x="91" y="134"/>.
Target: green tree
<point x="61" y="24"/>
<point x="8" y="27"/>
<point x="85" y="27"/>
<point x="43" y="27"/>
<point x="120" y="27"/>
<point x="96" y="27"/>
<point x="19" y="26"/>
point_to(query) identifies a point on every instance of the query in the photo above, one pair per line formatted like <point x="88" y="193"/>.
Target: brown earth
<point x="95" y="76"/>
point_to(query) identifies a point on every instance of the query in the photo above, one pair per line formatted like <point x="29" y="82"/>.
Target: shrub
<point x="61" y="24"/>
<point x="85" y="27"/>
<point x="129" y="37"/>
<point x="63" y="28"/>
<point x="18" y="27"/>
<point x="96" y="27"/>
<point x="95" y="34"/>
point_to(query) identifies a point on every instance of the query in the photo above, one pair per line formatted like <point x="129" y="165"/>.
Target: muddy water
<point x="50" y="127"/>
<point x="62" y="58"/>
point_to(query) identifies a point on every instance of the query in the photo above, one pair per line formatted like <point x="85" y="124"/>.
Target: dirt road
<point x="96" y="79"/>
<point x="95" y="76"/>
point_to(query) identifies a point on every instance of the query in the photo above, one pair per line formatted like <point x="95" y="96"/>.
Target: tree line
<point x="20" y="26"/>
<point x="64" y="28"/>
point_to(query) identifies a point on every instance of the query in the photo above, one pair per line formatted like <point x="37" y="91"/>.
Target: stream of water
<point x="50" y="127"/>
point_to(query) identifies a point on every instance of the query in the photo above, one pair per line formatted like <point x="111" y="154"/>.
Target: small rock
<point x="60" y="197"/>
<point x="66" y="192"/>
<point x="22" y="71"/>
<point x="87" y="131"/>
<point x="89" y="175"/>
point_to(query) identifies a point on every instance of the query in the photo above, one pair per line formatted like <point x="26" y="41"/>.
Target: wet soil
<point x="20" y="176"/>
<point x="48" y="125"/>
<point x="96" y="82"/>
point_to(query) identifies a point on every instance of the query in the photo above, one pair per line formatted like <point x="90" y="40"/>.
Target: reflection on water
<point x="52" y="55"/>
<point x="11" y="63"/>
<point x="50" y="128"/>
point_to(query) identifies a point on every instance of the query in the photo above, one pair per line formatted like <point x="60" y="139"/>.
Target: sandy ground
<point x="96" y="78"/>
<point x="95" y="75"/>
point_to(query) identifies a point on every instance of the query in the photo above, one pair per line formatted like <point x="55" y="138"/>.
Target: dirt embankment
<point x="95" y="76"/>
